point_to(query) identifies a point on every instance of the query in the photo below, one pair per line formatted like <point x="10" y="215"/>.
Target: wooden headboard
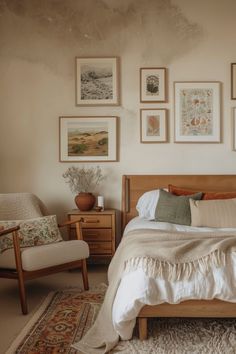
<point x="133" y="186"/>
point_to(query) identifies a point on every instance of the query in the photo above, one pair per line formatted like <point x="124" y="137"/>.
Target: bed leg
<point x="142" y="327"/>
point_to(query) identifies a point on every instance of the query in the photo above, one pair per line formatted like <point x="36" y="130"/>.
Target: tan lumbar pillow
<point x="213" y="213"/>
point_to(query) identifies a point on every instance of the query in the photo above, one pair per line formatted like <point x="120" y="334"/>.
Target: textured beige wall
<point x="195" y="40"/>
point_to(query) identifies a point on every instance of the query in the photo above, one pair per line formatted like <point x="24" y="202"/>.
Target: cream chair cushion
<point x="39" y="257"/>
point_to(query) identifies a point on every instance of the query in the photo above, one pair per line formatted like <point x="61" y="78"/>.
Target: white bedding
<point x="141" y="223"/>
<point x="136" y="289"/>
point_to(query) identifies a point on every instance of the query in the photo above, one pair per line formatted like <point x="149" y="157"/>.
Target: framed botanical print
<point x="197" y="112"/>
<point x="88" y="139"/>
<point x="153" y="125"/>
<point x="97" y="81"/>
<point x="233" y="81"/>
<point x="153" y="85"/>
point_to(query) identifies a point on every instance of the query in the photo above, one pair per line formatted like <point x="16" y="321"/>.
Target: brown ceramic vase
<point x="85" y="201"/>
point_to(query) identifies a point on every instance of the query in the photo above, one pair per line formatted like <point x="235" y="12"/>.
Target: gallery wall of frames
<point x="197" y="110"/>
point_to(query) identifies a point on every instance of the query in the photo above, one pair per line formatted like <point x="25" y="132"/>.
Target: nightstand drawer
<point x="94" y="221"/>
<point x="100" y="248"/>
<point x="97" y="234"/>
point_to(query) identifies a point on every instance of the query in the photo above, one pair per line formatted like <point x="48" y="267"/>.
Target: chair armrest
<point x="79" y="234"/>
<point x="8" y="231"/>
<point x="16" y="244"/>
<point x="68" y="223"/>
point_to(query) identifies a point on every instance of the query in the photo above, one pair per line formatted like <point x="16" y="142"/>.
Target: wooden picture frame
<point x="97" y="81"/>
<point x="234" y="129"/>
<point x="153" y="86"/>
<point x="88" y="138"/>
<point x="153" y="126"/>
<point x="197" y="112"/>
<point x="233" y="81"/>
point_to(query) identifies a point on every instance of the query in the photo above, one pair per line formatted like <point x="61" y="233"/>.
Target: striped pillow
<point x="213" y="213"/>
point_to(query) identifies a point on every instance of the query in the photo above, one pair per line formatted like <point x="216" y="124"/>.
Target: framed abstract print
<point x="153" y="85"/>
<point x="97" y="81"/>
<point x="88" y="139"/>
<point x="153" y="125"/>
<point x="197" y="112"/>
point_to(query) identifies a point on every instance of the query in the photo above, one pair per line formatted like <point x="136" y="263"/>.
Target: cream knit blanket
<point x="173" y="255"/>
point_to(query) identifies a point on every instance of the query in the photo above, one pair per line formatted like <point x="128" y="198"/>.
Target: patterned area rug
<point x="66" y="315"/>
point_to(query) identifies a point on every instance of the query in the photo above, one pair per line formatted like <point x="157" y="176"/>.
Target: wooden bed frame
<point x="133" y="186"/>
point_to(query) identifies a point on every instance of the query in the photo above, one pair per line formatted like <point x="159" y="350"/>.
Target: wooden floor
<point x="11" y="319"/>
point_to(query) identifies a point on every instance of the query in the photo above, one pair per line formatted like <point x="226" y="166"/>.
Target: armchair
<point x="25" y="263"/>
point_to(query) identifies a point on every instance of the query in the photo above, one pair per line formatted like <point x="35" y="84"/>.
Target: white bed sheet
<point x="141" y="223"/>
<point x="136" y="289"/>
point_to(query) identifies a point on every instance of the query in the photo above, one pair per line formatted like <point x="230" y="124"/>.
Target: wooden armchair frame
<point x="21" y="275"/>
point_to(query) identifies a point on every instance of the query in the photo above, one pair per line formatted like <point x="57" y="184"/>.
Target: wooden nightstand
<point x="99" y="230"/>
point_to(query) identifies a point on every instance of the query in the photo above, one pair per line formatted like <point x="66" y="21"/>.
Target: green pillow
<point x="175" y="209"/>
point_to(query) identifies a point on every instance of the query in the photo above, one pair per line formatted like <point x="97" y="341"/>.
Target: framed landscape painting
<point x="97" y="81"/>
<point x="153" y="125"/>
<point x="197" y="112"/>
<point x="88" y="139"/>
<point x="153" y="85"/>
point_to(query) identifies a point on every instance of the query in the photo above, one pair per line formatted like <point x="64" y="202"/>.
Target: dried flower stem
<point x="82" y="179"/>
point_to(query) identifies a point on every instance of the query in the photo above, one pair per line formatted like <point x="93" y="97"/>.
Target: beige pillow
<point x="213" y="213"/>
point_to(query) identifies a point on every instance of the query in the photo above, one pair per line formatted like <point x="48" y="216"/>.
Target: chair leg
<point x="85" y="274"/>
<point x="22" y="291"/>
<point x="19" y="270"/>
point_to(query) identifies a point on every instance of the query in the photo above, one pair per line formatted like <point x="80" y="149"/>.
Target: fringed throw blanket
<point x="170" y="255"/>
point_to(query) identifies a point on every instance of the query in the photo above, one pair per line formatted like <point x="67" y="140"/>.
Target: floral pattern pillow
<point x="33" y="232"/>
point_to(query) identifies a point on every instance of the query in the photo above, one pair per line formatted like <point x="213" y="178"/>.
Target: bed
<point x="133" y="186"/>
<point x="146" y="278"/>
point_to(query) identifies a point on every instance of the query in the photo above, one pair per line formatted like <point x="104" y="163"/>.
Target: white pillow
<point x="147" y="203"/>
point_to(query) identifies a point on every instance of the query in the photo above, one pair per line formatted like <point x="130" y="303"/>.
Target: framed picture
<point x="153" y="85"/>
<point x="97" y="82"/>
<point x="234" y="129"/>
<point x="233" y="81"/>
<point x="153" y="125"/>
<point x="88" y="139"/>
<point x="197" y="112"/>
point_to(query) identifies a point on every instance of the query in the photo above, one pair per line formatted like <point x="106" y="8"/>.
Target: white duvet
<point x="137" y="290"/>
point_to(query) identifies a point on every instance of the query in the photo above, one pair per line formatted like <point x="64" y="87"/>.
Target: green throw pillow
<point x="175" y="209"/>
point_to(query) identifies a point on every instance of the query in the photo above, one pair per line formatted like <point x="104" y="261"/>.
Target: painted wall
<point x="195" y="40"/>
